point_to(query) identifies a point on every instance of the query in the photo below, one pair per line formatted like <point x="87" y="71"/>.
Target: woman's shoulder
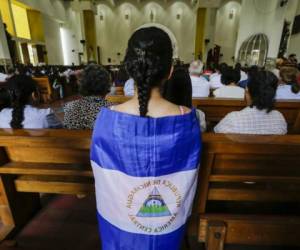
<point x="30" y="110"/>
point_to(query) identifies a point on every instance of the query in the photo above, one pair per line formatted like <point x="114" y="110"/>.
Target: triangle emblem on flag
<point x="154" y="206"/>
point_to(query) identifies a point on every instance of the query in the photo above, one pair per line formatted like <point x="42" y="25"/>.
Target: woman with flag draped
<point x="145" y="155"/>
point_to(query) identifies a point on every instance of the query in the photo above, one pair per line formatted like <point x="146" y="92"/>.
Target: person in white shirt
<point x="23" y="91"/>
<point x="129" y="87"/>
<point x="3" y="77"/>
<point x="259" y="117"/>
<point x="215" y="78"/>
<point x="178" y="90"/>
<point x="200" y="85"/>
<point x="243" y="74"/>
<point x="230" y="78"/>
<point x="288" y="88"/>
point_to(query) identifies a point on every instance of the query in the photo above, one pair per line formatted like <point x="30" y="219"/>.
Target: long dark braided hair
<point x="148" y="61"/>
<point x="20" y="89"/>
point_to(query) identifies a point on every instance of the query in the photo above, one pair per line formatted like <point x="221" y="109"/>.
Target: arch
<point x="168" y="31"/>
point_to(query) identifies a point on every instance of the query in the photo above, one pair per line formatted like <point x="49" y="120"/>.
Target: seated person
<point x="200" y="85"/>
<point x="94" y="86"/>
<point x="129" y="87"/>
<point x="3" y="76"/>
<point x="122" y="77"/>
<point x="23" y="94"/>
<point x="230" y="79"/>
<point x="215" y="78"/>
<point x="288" y="87"/>
<point x="178" y="90"/>
<point x="243" y="74"/>
<point x="259" y="117"/>
<point x="252" y="70"/>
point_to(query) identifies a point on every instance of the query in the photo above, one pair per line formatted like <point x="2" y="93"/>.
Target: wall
<point x="5" y="11"/>
<point x="294" y="45"/>
<point x="53" y="40"/>
<point x="226" y="29"/>
<point x="21" y="21"/>
<point x="4" y="52"/>
<point x="56" y="14"/>
<point x="114" y="30"/>
<point x="264" y="16"/>
<point x="209" y="30"/>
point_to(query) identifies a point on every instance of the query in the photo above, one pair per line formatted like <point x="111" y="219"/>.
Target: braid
<point x="20" y="90"/>
<point x="148" y="62"/>
<point x="143" y="96"/>
<point x="17" y="116"/>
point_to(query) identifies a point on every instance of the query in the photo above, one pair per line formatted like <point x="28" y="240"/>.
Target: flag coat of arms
<point x="145" y="173"/>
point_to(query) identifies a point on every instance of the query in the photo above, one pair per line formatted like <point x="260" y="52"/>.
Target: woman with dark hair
<point x="23" y="94"/>
<point x="289" y="87"/>
<point x="230" y="89"/>
<point x="259" y="117"/>
<point x="145" y="155"/>
<point x="94" y="86"/>
<point x="178" y="90"/>
<point x="215" y="78"/>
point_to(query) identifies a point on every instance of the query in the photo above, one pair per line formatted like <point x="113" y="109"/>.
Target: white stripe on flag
<point x="145" y="205"/>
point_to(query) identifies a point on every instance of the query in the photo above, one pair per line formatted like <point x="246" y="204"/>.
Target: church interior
<point x="68" y="66"/>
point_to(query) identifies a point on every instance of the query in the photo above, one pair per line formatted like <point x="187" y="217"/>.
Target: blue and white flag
<point x="145" y="173"/>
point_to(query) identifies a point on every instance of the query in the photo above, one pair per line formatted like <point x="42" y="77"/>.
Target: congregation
<point x="260" y="88"/>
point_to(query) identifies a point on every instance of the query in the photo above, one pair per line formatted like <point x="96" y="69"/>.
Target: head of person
<point x="148" y="61"/>
<point x="178" y="89"/>
<point x="252" y="70"/>
<point x="95" y="81"/>
<point x="4" y="98"/>
<point x="122" y="76"/>
<point x="23" y="91"/>
<point x="238" y="66"/>
<point x="220" y="68"/>
<point x="261" y="92"/>
<point x="196" y="68"/>
<point x="288" y="76"/>
<point x="293" y="58"/>
<point x="230" y="76"/>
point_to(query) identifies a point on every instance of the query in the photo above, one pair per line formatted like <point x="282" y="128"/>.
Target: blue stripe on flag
<point x="155" y="148"/>
<point x="112" y="238"/>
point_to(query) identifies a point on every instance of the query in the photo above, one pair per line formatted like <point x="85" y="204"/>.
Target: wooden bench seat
<point x="247" y="178"/>
<point x="248" y="230"/>
<point x="54" y="184"/>
<point x="28" y="168"/>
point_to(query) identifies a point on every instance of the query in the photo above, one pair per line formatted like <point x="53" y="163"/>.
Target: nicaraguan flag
<point x="145" y="173"/>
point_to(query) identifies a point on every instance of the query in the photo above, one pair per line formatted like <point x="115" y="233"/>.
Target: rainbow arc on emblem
<point x="154" y="206"/>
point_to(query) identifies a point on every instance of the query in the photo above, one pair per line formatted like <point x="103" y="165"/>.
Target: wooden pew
<point x="216" y="109"/>
<point x="44" y="88"/>
<point x="247" y="187"/>
<point x="237" y="169"/>
<point x="3" y="85"/>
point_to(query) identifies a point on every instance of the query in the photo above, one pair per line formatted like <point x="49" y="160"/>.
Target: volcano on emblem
<point x="154" y="206"/>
